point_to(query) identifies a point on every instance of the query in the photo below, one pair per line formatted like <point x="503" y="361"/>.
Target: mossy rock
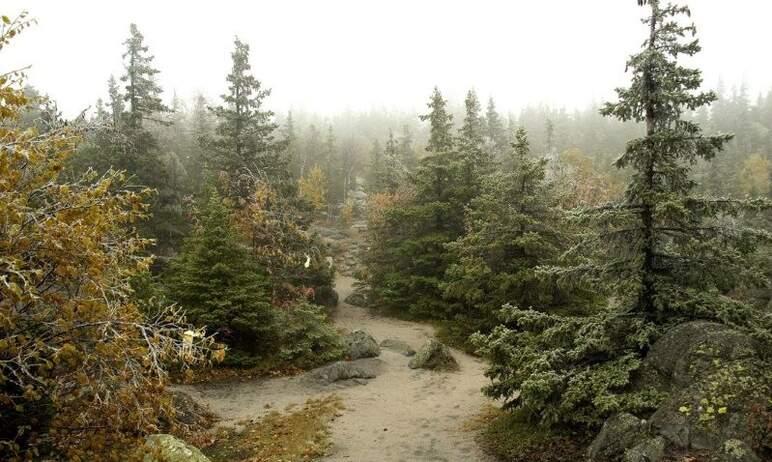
<point x="360" y="344"/>
<point x="166" y="448"/>
<point x="435" y="356"/>
<point x="619" y="433"/>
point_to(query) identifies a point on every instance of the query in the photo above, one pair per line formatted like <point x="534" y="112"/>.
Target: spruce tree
<point x="473" y="161"/>
<point x="386" y="171"/>
<point x="393" y="170"/>
<point x="376" y="173"/>
<point x="142" y="93"/>
<point x="219" y="284"/>
<point x="496" y="140"/>
<point x="512" y="228"/>
<point x="666" y="255"/>
<point x="407" y="154"/>
<point x="243" y="146"/>
<point x="407" y="258"/>
<point x="116" y="102"/>
<point x="331" y="169"/>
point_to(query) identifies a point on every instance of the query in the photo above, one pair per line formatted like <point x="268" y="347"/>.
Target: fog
<point x="329" y="56"/>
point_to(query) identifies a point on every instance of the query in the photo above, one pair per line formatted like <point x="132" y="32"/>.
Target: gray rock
<point x="651" y="450"/>
<point x="399" y="346"/>
<point x="356" y="298"/>
<point x="433" y="355"/>
<point x="166" y="448"/>
<point x="712" y="380"/>
<point x="618" y="434"/>
<point x="345" y="370"/>
<point x="735" y="451"/>
<point x="687" y="351"/>
<point x="360" y="344"/>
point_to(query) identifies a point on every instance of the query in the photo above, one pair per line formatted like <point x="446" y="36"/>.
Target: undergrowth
<point x="295" y="436"/>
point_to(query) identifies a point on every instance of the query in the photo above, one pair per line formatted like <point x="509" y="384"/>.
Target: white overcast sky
<point x="331" y="55"/>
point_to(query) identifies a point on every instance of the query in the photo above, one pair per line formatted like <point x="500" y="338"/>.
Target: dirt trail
<point x="402" y="415"/>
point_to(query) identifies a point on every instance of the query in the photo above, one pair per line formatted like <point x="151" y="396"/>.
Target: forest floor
<point x="401" y="415"/>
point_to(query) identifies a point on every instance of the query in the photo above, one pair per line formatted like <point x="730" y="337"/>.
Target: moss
<point x="297" y="435"/>
<point x="511" y="437"/>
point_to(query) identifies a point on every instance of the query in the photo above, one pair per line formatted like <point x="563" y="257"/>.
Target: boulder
<point x="735" y="451"/>
<point x="618" y="434"/>
<point x="651" y="450"/>
<point x="433" y="355"/>
<point x="399" y="346"/>
<point x="713" y="379"/>
<point x="345" y="370"/>
<point x="356" y="299"/>
<point x="687" y="351"/>
<point x="360" y="344"/>
<point x="166" y="448"/>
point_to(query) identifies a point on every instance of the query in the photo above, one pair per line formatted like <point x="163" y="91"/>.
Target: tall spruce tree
<point x="407" y="154"/>
<point x="220" y="285"/>
<point x="142" y="93"/>
<point x="666" y="255"/>
<point x="473" y="161"/>
<point x="496" y="139"/>
<point x="115" y="102"/>
<point x="512" y="228"/>
<point x="407" y="259"/>
<point x="393" y="170"/>
<point x="243" y="146"/>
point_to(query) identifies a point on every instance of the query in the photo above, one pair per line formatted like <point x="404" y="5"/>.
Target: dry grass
<point x="510" y="438"/>
<point x="294" y="436"/>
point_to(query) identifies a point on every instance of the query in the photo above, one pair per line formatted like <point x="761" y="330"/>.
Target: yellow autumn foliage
<point x="81" y="370"/>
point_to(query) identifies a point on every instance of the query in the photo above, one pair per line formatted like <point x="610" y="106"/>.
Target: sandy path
<point x="402" y="415"/>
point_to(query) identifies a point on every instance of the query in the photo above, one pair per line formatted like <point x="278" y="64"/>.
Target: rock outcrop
<point x="356" y="298"/>
<point x="166" y="448"/>
<point x="434" y="355"/>
<point x="712" y="376"/>
<point x="360" y="344"/>
<point x="345" y="370"/>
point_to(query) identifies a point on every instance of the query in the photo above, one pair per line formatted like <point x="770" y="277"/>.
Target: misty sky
<point x="331" y="55"/>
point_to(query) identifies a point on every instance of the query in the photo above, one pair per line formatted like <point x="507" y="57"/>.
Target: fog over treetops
<point x="330" y="56"/>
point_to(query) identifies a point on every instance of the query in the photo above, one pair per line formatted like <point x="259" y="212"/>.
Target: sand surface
<point x="402" y="415"/>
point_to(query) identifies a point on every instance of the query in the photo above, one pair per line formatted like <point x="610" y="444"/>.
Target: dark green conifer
<point x="220" y="286"/>
<point x="665" y="255"/>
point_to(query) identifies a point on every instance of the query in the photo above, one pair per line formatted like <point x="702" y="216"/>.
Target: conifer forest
<point x="241" y="245"/>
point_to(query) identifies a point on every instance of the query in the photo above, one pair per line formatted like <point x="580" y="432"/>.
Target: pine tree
<point x="331" y="169"/>
<point x="292" y="148"/>
<point x="375" y="177"/>
<point x="220" y="286"/>
<point x="116" y="102"/>
<point x="407" y="258"/>
<point x="407" y="154"/>
<point x="386" y="171"/>
<point x="666" y="255"/>
<point x="512" y="228"/>
<point x="393" y="170"/>
<point x="244" y="146"/>
<point x="473" y="161"/>
<point x="142" y="93"/>
<point x="496" y="140"/>
<point x="441" y="123"/>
